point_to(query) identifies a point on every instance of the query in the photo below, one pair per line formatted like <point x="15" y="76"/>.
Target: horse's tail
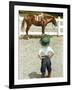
<point x="23" y="25"/>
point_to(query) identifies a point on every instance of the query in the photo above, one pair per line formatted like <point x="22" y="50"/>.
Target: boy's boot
<point x="43" y="75"/>
<point x="49" y="74"/>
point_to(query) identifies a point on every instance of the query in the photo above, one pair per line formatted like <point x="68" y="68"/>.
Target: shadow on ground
<point x="34" y="75"/>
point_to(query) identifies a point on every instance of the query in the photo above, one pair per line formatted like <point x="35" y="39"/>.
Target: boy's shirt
<point x="45" y="50"/>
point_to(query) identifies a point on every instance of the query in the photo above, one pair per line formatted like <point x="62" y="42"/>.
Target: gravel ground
<point x="29" y="63"/>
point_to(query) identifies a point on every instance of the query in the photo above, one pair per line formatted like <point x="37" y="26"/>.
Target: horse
<point x="30" y="20"/>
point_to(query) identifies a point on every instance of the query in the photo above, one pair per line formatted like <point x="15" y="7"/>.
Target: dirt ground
<point x="29" y="62"/>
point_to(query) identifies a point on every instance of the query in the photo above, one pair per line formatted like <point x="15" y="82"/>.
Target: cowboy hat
<point x="45" y="40"/>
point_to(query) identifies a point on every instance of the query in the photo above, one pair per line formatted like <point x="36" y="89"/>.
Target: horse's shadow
<point x="34" y="75"/>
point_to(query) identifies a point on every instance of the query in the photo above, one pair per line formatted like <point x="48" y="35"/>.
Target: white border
<point x="34" y="81"/>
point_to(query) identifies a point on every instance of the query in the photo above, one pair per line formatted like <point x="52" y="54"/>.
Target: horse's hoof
<point x="28" y="38"/>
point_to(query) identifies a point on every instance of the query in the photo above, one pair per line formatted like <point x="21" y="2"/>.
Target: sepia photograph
<point x="34" y="26"/>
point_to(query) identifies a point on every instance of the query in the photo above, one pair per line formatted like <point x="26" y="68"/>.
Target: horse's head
<point x="51" y="18"/>
<point x="54" y="21"/>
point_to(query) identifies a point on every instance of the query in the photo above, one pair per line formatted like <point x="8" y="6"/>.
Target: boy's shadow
<point x="34" y="75"/>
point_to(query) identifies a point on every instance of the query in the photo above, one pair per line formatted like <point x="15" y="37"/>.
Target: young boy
<point x="45" y="54"/>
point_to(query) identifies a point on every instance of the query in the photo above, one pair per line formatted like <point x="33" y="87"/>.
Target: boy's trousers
<point x="45" y="64"/>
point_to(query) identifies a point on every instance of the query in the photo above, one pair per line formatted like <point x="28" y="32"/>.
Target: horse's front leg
<point x="43" y="29"/>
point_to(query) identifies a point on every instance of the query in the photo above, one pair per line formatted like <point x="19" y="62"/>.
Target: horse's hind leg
<point x="27" y="29"/>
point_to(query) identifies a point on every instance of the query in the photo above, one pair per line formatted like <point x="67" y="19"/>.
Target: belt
<point x="44" y="56"/>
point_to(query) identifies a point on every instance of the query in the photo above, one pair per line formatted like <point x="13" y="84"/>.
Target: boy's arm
<point x="50" y="54"/>
<point x="39" y="56"/>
